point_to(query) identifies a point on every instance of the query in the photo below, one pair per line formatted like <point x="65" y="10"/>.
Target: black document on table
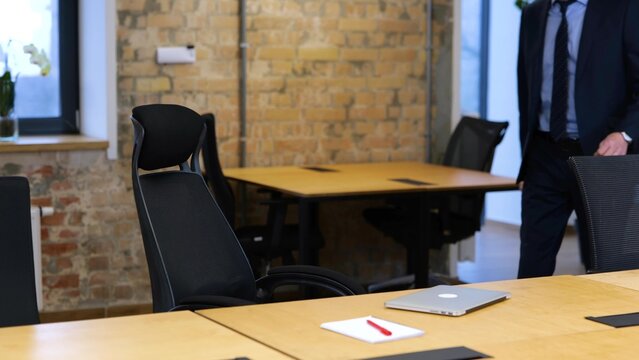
<point x="319" y="169"/>
<point x="451" y="353"/>
<point x="619" y="320"/>
<point x="411" y="181"/>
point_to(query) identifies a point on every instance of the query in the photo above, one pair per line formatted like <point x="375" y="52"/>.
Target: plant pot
<point x="8" y="128"/>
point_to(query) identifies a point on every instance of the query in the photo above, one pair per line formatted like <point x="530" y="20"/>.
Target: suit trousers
<point x="549" y="196"/>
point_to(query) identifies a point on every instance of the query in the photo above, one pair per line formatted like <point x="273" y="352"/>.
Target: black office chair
<point x="453" y="218"/>
<point x="609" y="187"/>
<point x="261" y="243"/>
<point x="18" y="303"/>
<point x="195" y="261"/>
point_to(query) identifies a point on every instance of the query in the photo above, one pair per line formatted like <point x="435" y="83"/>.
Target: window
<point x="474" y="61"/>
<point x="43" y="104"/>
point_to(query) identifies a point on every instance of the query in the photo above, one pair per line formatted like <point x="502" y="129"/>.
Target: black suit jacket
<point x="607" y="75"/>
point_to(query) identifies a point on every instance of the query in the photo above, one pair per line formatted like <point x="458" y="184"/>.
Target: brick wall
<point x="91" y="250"/>
<point x="329" y="81"/>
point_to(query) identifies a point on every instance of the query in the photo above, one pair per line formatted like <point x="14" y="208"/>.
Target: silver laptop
<point x="447" y="300"/>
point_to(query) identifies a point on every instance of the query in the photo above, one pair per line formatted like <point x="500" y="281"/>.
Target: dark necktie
<point x="559" y="104"/>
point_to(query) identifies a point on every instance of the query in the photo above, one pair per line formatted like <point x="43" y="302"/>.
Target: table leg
<point x="421" y="254"/>
<point x="307" y="211"/>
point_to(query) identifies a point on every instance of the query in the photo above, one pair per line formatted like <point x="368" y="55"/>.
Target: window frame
<point x="67" y="122"/>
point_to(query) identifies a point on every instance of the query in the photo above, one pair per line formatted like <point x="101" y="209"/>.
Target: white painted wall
<point x="502" y="105"/>
<point x="98" y="71"/>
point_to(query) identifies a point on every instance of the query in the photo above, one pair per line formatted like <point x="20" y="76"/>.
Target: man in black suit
<point x="578" y="74"/>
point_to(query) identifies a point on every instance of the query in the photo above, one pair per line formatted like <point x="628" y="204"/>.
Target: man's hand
<point x="613" y="144"/>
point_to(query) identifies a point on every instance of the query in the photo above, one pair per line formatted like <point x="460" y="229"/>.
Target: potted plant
<point x="8" y="120"/>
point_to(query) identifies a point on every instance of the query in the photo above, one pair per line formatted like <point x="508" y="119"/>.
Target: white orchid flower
<point x="38" y="58"/>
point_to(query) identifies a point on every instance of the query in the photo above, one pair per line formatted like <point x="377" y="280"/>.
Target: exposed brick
<point x="399" y="26"/>
<point x="336" y="38"/>
<point x="99" y="293"/>
<point x="276" y="53"/>
<point x="336" y="144"/>
<point x="98" y="263"/>
<point x="61" y="185"/>
<point x="41" y="201"/>
<point x="360" y="54"/>
<point x="295" y="145"/>
<point x="365" y="98"/>
<point x="386" y="83"/>
<point x="398" y="54"/>
<point x="75" y="218"/>
<point x="66" y="200"/>
<point x="380" y="142"/>
<point x="123" y="292"/>
<point x="165" y="21"/>
<point x="356" y="39"/>
<point x="57" y="249"/>
<point x="282" y="114"/>
<point x="67" y="234"/>
<point x="332" y="9"/>
<point x="100" y="278"/>
<point x="357" y="25"/>
<point x="131" y="5"/>
<point x="46" y="171"/>
<point x="325" y="114"/>
<point x="63" y="263"/>
<point x="264" y="23"/>
<point x="343" y="98"/>
<point x="61" y="281"/>
<point x="321" y="54"/>
<point x="281" y="67"/>
<point x="413" y="40"/>
<point x="373" y="113"/>
<point x="57" y="218"/>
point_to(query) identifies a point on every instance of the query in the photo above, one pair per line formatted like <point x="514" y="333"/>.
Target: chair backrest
<point x="190" y="247"/>
<point x="609" y="187"/>
<point x="214" y="174"/>
<point x="472" y="146"/>
<point x="18" y="303"/>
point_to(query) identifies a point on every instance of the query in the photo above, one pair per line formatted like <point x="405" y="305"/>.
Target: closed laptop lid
<point x="447" y="300"/>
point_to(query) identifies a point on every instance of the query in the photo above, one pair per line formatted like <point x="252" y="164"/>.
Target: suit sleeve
<point x="630" y="122"/>
<point x="522" y="85"/>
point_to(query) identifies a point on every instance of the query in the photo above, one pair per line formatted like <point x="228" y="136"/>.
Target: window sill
<point x="53" y="143"/>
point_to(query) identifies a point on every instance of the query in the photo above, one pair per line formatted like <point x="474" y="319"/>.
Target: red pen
<point x="381" y="329"/>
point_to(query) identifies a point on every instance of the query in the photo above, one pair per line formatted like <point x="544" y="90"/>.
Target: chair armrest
<point x="400" y="283"/>
<point x="314" y="276"/>
<point x="200" y="302"/>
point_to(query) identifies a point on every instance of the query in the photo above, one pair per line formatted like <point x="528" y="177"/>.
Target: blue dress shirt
<point x="575" y="17"/>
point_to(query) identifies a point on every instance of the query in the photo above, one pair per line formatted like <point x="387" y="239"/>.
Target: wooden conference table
<point x="177" y="335"/>
<point x="544" y="317"/>
<point x="313" y="184"/>
<point x="627" y="278"/>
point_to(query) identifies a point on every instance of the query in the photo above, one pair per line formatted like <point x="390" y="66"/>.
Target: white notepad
<point x="359" y="329"/>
